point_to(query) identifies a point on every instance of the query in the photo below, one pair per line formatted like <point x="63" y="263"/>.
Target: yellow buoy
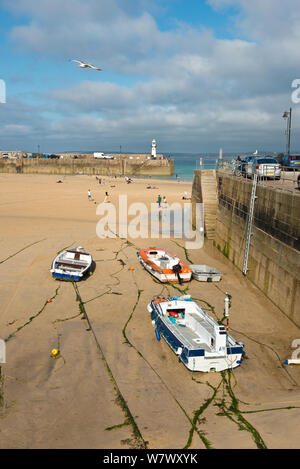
<point x="54" y="352"/>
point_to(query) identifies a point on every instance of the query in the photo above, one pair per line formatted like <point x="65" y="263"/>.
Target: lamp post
<point x="288" y="115"/>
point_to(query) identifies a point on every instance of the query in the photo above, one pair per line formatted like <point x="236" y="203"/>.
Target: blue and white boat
<point x="200" y="342"/>
<point x="71" y="264"/>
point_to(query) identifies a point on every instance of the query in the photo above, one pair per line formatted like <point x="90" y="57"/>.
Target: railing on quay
<point x="289" y="177"/>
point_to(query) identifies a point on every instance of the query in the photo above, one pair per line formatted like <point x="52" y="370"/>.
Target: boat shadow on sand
<point x="89" y="272"/>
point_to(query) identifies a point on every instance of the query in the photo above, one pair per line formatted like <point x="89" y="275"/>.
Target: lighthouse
<point x="153" y="153"/>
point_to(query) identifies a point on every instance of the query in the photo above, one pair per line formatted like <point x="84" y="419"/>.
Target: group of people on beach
<point x="162" y="200"/>
<point x="105" y="198"/>
<point x="100" y="180"/>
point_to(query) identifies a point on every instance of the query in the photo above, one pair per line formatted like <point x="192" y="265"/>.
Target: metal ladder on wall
<point x="250" y="218"/>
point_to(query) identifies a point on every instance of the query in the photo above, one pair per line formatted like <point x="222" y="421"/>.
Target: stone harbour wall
<point x="116" y="167"/>
<point x="274" y="255"/>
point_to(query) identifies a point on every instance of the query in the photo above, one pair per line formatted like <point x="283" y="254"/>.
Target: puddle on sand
<point x="161" y="223"/>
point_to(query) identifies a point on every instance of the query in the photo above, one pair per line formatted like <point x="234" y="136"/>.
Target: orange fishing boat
<point x="164" y="266"/>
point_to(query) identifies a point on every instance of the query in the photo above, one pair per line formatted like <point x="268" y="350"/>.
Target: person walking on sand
<point x="165" y="201"/>
<point x="106" y="198"/>
<point x="89" y="195"/>
<point x="159" y="200"/>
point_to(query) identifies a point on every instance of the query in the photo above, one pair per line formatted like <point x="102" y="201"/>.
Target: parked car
<point x="54" y="157"/>
<point x="291" y="161"/>
<point x="264" y="167"/>
<point x="4" y="155"/>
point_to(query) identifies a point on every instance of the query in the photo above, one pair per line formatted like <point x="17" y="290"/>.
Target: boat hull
<point x="59" y="276"/>
<point x="206" y="277"/>
<point x="204" y="273"/>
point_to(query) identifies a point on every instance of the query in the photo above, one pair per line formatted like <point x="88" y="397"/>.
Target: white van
<point x="103" y="156"/>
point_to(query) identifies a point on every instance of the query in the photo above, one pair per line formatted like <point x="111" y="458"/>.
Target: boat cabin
<point x="200" y="330"/>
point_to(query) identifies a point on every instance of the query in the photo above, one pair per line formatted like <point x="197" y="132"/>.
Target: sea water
<point x="186" y="163"/>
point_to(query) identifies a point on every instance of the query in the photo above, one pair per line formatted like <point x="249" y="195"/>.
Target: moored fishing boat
<point x="200" y="342"/>
<point x="164" y="266"/>
<point x="71" y="264"/>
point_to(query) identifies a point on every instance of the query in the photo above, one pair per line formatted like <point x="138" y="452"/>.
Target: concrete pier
<point x="127" y="166"/>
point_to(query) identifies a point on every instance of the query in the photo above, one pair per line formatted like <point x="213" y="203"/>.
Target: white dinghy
<point x="71" y="264"/>
<point x="205" y="273"/>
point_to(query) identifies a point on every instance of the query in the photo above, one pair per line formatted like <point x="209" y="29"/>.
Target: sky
<point x="196" y="75"/>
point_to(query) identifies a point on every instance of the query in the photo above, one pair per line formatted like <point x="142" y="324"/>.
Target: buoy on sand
<point x="131" y="268"/>
<point x="49" y="300"/>
<point x="54" y="352"/>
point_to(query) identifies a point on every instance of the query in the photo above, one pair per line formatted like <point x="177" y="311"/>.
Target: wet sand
<point x="114" y="385"/>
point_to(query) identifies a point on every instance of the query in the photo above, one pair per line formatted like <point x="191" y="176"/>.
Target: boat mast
<point x="226" y="301"/>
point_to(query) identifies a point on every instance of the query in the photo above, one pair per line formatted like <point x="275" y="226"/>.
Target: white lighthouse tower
<point x="153" y="153"/>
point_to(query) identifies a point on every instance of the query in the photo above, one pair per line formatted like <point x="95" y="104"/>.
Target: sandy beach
<point x="114" y="385"/>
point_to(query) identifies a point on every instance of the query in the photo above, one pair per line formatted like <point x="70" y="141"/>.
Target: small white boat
<point x="71" y="264"/>
<point x="164" y="266"/>
<point x="200" y="342"/>
<point x="205" y="273"/>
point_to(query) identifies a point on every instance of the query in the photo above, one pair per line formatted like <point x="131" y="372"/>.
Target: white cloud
<point x="196" y="83"/>
<point x="260" y="19"/>
<point x="15" y="130"/>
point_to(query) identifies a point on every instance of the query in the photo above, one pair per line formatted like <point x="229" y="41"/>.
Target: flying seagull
<point x="85" y="65"/>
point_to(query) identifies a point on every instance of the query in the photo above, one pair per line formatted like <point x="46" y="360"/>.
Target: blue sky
<point x="194" y="75"/>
